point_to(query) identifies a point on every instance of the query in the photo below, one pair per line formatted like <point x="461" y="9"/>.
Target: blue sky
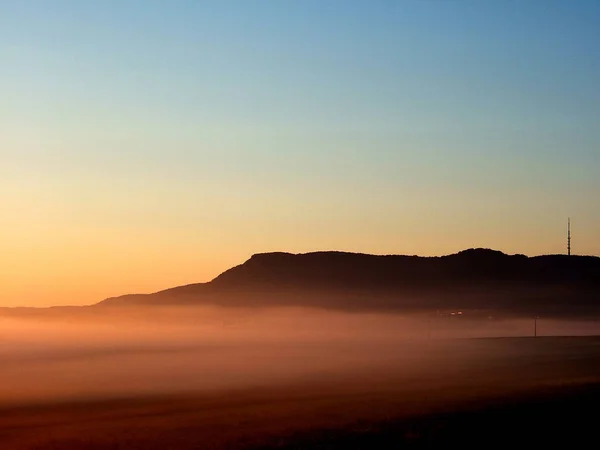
<point x="226" y="128"/>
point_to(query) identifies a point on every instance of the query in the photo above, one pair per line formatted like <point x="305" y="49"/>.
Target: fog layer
<point x="130" y="352"/>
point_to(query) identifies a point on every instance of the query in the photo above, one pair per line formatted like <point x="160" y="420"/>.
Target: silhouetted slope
<point x="477" y="278"/>
<point x="354" y="270"/>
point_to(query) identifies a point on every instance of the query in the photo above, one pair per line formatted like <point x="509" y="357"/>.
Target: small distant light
<point x="452" y="313"/>
<point x="460" y="313"/>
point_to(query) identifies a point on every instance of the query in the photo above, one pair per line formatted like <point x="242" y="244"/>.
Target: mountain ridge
<point x="350" y="280"/>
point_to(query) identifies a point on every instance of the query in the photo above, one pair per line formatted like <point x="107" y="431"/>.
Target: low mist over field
<point x="157" y="350"/>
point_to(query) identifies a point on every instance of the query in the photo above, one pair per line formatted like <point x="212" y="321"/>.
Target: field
<point x="473" y="392"/>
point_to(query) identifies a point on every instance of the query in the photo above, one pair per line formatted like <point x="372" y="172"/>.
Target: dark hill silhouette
<point x="474" y="278"/>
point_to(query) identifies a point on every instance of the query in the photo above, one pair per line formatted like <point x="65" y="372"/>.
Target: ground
<point x="507" y="391"/>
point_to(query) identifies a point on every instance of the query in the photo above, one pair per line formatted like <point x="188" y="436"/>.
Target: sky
<point x="146" y="144"/>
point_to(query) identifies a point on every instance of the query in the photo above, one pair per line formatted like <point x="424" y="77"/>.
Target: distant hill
<point x="474" y="278"/>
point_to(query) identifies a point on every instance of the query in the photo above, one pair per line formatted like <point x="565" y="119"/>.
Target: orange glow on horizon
<point x="88" y="267"/>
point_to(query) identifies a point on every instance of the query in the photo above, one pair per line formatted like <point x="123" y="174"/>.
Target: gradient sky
<point x="146" y="144"/>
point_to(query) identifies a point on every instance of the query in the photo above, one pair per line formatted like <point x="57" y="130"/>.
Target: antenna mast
<point x="569" y="237"/>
